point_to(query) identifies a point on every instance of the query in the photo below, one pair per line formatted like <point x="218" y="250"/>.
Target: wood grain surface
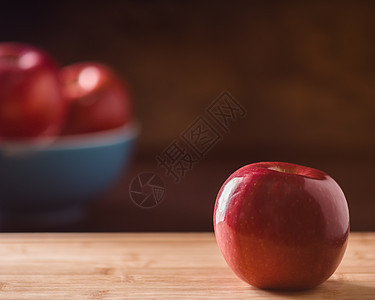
<point x="157" y="266"/>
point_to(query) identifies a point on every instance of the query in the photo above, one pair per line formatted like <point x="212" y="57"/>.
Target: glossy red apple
<point x="31" y="103"/>
<point x="98" y="98"/>
<point x="281" y="225"/>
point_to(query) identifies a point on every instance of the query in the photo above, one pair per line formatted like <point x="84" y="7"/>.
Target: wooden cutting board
<point x="158" y="266"/>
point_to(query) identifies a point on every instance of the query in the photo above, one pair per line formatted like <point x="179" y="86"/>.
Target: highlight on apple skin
<point x="281" y="225"/>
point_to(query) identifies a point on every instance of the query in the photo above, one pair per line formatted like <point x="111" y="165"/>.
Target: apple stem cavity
<point x="278" y="169"/>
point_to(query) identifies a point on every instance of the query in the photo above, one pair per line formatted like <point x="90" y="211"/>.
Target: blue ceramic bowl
<point x="53" y="177"/>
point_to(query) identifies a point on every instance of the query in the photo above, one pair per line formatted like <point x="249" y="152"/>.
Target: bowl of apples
<point x="66" y="134"/>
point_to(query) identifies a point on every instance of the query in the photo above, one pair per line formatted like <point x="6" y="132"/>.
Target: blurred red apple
<point x="281" y="226"/>
<point x="98" y="99"/>
<point x="31" y="103"/>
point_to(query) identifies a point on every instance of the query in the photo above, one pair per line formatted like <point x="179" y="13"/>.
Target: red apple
<point x="281" y="225"/>
<point x="31" y="103"/>
<point x="97" y="97"/>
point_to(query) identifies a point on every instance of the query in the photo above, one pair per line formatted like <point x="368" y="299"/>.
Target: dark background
<point x="304" y="71"/>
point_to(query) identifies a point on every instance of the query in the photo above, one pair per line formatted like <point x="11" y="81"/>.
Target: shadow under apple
<point x="331" y="289"/>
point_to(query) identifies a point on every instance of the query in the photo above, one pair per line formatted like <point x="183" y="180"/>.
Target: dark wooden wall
<point x="304" y="71"/>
